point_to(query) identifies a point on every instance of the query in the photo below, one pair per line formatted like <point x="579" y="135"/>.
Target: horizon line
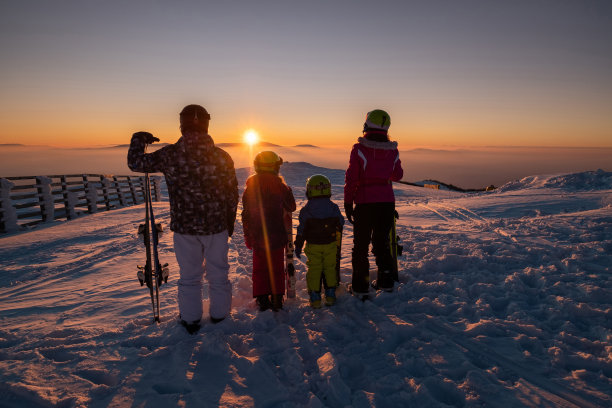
<point x="308" y="145"/>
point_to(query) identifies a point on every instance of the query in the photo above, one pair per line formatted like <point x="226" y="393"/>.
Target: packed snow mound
<point x="588" y="180"/>
<point x="584" y="181"/>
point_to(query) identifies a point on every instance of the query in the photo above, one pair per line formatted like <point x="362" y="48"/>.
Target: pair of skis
<point x="289" y="266"/>
<point x="396" y="248"/>
<point x="153" y="273"/>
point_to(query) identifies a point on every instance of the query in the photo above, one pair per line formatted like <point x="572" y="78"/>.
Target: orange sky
<point x="480" y="74"/>
<point x="410" y="131"/>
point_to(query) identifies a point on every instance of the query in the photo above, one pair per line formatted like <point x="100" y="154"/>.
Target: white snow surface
<point x="504" y="301"/>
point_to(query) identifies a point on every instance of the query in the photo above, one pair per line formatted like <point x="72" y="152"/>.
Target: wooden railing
<point x="27" y="201"/>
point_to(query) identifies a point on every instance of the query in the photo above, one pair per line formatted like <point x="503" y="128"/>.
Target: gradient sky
<point x="449" y="72"/>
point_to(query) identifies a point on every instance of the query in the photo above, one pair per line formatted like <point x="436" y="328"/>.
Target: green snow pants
<point x="321" y="261"/>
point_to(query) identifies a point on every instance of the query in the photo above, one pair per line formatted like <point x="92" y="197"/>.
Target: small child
<point x="265" y="199"/>
<point x="319" y="221"/>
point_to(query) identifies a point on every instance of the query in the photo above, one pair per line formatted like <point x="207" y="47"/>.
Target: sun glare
<point x="251" y="137"/>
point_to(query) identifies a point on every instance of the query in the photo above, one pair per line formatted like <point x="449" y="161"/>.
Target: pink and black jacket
<point x="372" y="167"/>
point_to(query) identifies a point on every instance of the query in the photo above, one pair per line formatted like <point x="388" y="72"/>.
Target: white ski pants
<point x="199" y="256"/>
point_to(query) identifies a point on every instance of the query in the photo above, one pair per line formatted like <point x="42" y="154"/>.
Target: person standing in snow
<point x="203" y="194"/>
<point x="373" y="165"/>
<point x="265" y="200"/>
<point x="320" y="221"/>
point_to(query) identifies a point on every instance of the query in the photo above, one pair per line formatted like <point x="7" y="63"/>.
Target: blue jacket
<point x="319" y="220"/>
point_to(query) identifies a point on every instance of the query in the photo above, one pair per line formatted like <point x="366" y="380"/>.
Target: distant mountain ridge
<point x="238" y="144"/>
<point x="224" y="144"/>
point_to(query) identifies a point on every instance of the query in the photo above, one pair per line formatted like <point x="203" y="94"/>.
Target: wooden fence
<point x="27" y="201"/>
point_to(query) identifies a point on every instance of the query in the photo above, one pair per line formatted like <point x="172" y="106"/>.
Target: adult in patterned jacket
<point x="203" y="193"/>
<point x="373" y="165"/>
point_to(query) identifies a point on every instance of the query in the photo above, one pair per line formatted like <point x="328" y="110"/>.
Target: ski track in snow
<point x="504" y="300"/>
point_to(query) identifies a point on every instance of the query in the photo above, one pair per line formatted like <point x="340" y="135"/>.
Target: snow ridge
<point x="585" y="181"/>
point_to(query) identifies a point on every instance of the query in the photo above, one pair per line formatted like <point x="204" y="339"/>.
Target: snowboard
<point x="289" y="266"/>
<point x="153" y="274"/>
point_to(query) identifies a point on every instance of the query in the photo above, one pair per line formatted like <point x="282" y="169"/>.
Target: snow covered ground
<point x="505" y="300"/>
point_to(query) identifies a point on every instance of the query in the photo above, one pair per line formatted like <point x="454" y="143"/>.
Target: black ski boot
<point x="277" y="302"/>
<point x="191" y="327"/>
<point x="384" y="281"/>
<point x="263" y="301"/>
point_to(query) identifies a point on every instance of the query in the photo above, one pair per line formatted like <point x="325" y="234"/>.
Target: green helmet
<point x="267" y="162"/>
<point x="377" y="119"/>
<point x="318" y="186"/>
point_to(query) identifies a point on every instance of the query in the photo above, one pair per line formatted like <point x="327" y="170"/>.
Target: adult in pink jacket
<point x="373" y="166"/>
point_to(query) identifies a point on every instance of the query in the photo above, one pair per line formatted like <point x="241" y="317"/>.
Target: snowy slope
<point x="505" y="300"/>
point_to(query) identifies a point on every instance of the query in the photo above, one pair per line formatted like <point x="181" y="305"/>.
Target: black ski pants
<point x="373" y="223"/>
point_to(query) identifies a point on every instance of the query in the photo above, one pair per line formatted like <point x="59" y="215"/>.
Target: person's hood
<point x="388" y="145"/>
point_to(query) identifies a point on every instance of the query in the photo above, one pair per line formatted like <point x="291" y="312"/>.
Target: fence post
<point x="119" y="192"/>
<point x="45" y="198"/>
<point x="133" y="190"/>
<point x="139" y="186"/>
<point x="72" y="201"/>
<point x="105" y="182"/>
<point x="69" y="199"/>
<point x="8" y="214"/>
<point x="91" y="194"/>
<point x="157" y="187"/>
<point x="143" y="186"/>
<point x="65" y="195"/>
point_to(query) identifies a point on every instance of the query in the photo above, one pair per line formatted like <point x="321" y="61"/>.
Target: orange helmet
<point x="267" y="162"/>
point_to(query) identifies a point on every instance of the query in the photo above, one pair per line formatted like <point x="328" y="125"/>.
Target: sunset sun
<point x="251" y="137"/>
